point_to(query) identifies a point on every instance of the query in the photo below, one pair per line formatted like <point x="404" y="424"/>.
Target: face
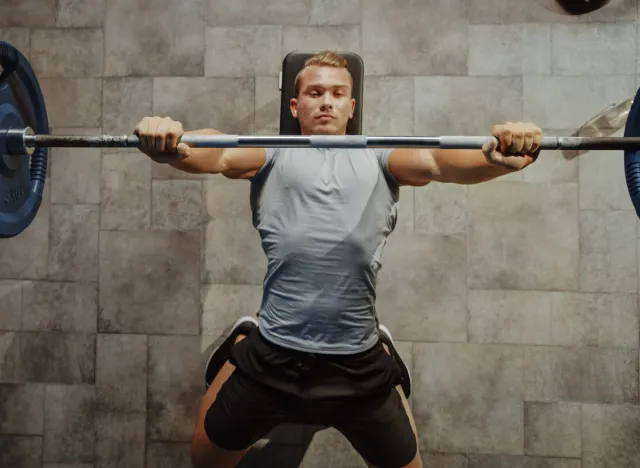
<point x="324" y="104"/>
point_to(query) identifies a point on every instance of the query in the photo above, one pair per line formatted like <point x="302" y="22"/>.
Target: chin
<point x="326" y="130"/>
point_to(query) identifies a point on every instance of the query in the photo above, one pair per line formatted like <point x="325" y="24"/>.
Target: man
<point x="318" y="354"/>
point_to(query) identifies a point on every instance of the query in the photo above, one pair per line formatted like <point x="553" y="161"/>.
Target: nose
<point x="327" y="101"/>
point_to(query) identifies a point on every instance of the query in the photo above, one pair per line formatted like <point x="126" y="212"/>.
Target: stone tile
<point x="25" y="256"/>
<point x="318" y="38"/>
<point x="441" y="209"/>
<point x="80" y="13"/>
<point x="126" y="191"/>
<point x="552" y="429"/>
<point x="20" y="451"/>
<point x="400" y="38"/>
<point x="17" y="37"/>
<point x="518" y="461"/>
<point x="267" y="105"/>
<point x="149" y="282"/>
<point x="124" y="103"/>
<point x="593" y="49"/>
<point x="561" y="102"/>
<point x="583" y="319"/>
<point x="602" y="184"/>
<point x="161" y="171"/>
<point x="242" y="260"/>
<point x="175" y="385"/>
<point x="608" y="252"/>
<point x="28" y="13"/>
<point x="441" y="460"/>
<point x="335" y="12"/>
<point x="227" y="199"/>
<point x="176" y="204"/>
<point x="60" y="307"/>
<point x="523" y="236"/>
<point x="75" y="172"/>
<point x="121" y="373"/>
<point x="223" y="304"/>
<point x="120" y="440"/>
<point x="133" y="46"/>
<point x="84" y="93"/>
<point x="470" y="397"/>
<point x="511" y="317"/>
<point x="67" y="53"/>
<point x="11" y="300"/>
<point x="405" y="224"/>
<point x="610" y="436"/>
<point x="587" y="375"/>
<point x="22" y="409"/>
<point x="544" y="11"/>
<point x="465" y="105"/>
<point x="510" y="50"/>
<point x="228" y="108"/>
<point x="243" y="51"/>
<point x="418" y="299"/>
<point x="244" y="12"/>
<point x="69" y="417"/>
<point x="388" y="106"/>
<point x="168" y="455"/>
<point x="67" y="465"/>
<point x="551" y="166"/>
<point x="330" y="448"/>
<point x="73" y="249"/>
<point x="47" y="358"/>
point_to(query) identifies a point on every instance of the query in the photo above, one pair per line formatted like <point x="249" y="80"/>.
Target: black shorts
<point x="354" y="394"/>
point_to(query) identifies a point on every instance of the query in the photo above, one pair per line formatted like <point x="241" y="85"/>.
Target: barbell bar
<point x="23" y="141"/>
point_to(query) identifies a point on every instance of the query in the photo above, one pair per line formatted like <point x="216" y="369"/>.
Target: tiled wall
<point x="515" y="301"/>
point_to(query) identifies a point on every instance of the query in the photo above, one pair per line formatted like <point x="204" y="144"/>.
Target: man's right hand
<point x="159" y="139"/>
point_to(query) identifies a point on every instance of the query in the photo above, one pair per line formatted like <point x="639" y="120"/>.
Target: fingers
<point x="518" y="139"/>
<point x="158" y="135"/>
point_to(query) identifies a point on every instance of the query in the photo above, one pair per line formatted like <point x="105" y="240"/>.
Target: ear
<point x="293" y="106"/>
<point x="353" y="108"/>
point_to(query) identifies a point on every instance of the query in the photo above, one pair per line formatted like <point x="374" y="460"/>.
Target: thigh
<point x="382" y="431"/>
<point x="243" y="412"/>
<point x="231" y="417"/>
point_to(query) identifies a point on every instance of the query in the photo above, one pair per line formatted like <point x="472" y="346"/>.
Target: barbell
<point x="25" y="140"/>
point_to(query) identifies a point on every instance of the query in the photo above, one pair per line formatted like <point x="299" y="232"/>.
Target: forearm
<point x="466" y="167"/>
<point x="201" y="160"/>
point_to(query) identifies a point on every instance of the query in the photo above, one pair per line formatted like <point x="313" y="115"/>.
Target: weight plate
<point x="632" y="158"/>
<point x="22" y="178"/>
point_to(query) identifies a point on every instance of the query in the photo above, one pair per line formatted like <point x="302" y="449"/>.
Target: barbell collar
<point x="19" y="141"/>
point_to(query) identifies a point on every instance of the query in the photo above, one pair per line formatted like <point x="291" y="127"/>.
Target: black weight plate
<point x="22" y="178"/>
<point x="581" y="7"/>
<point x="632" y="158"/>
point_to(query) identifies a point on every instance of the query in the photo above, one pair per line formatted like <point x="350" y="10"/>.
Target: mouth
<point x="325" y="117"/>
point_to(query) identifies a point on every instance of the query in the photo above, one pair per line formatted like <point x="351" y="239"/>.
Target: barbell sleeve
<point x="28" y="140"/>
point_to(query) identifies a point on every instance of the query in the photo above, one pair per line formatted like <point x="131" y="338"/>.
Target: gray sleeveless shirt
<point x="323" y="216"/>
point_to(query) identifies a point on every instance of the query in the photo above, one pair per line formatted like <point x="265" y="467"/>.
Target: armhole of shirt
<point x="268" y="163"/>
<point x="383" y="159"/>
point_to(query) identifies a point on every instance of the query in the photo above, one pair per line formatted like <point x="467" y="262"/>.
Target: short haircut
<point x="325" y="58"/>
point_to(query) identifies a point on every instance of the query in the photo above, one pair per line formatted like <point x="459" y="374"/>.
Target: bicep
<point x="242" y="163"/>
<point x="413" y="166"/>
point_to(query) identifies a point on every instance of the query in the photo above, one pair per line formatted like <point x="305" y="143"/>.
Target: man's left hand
<point x="519" y="145"/>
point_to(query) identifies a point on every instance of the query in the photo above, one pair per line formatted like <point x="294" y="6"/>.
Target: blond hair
<point x="325" y="58"/>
